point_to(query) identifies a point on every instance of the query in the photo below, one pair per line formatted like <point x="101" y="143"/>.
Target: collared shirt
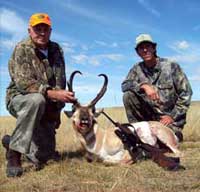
<point x="33" y="72"/>
<point x="169" y="80"/>
<point x="44" y="51"/>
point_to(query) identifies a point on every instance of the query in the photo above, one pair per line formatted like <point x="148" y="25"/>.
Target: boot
<point x="13" y="158"/>
<point x="5" y="142"/>
<point x="14" y="168"/>
<point x="56" y="156"/>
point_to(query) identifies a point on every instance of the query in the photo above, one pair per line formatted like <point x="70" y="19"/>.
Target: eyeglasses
<point x="145" y="47"/>
<point x="41" y="29"/>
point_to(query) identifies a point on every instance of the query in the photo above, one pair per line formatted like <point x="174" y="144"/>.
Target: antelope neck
<point x="90" y="137"/>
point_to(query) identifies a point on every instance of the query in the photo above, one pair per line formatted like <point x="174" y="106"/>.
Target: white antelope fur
<point x="107" y="147"/>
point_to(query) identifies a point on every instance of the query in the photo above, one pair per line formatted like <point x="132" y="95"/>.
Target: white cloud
<point x="8" y="43"/>
<point x="81" y="58"/>
<point x="188" y="55"/>
<point x="11" y="22"/>
<point x="101" y="43"/>
<point x="96" y="60"/>
<point x="113" y="57"/>
<point x="187" y="52"/>
<point x="14" y="28"/>
<point x="194" y="78"/>
<point x="104" y="44"/>
<point x="183" y="45"/>
<point x="84" y="12"/>
<point x="84" y="47"/>
<point x="97" y="14"/>
<point x="87" y="88"/>
<point x="187" y="58"/>
<point x="179" y="46"/>
<point x="147" y="5"/>
<point x="114" y="44"/>
<point x="67" y="47"/>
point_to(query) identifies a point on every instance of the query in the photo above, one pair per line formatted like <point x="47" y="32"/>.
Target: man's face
<point x="146" y="51"/>
<point x="40" y="35"/>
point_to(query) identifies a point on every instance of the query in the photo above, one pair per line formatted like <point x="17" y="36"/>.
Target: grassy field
<point x="73" y="173"/>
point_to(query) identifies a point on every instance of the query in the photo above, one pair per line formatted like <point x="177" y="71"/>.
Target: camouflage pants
<point x="139" y="108"/>
<point x="34" y="135"/>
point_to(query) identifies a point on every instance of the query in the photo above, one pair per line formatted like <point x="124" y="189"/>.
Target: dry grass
<point x="73" y="173"/>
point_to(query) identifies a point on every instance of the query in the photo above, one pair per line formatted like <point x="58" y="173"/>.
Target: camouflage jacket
<point x="169" y="80"/>
<point x="32" y="72"/>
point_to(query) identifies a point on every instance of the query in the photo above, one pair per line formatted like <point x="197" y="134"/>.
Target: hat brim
<point x="37" y="23"/>
<point x="146" y="41"/>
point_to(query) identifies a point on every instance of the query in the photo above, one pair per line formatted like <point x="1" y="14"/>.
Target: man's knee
<point x="130" y="98"/>
<point x="36" y="101"/>
<point x="26" y="103"/>
<point x="127" y="96"/>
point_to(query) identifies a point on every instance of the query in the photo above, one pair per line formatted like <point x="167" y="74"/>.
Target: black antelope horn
<point x="70" y="85"/>
<point x="70" y="82"/>
<point x="101" y="92"/>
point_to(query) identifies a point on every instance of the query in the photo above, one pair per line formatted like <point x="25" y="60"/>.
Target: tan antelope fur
<point x="152" y="131"/>
<point x="98" y="142"/>
<point x="103" y="143"/>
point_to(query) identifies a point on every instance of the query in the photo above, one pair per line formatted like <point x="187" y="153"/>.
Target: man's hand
<point x="166" y="120"/>
<point x="61" y="95"/>
<point x="151" y="92"/>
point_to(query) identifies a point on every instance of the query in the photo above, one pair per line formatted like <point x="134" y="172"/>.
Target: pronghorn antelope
<point x="104" y="143"/>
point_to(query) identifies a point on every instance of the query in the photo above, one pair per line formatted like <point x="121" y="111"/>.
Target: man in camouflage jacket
<point x="35" y="96"/>
<point x="156" y="89"/>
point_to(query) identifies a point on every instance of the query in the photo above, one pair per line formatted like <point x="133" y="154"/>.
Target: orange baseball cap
<point x="38" y="18"/>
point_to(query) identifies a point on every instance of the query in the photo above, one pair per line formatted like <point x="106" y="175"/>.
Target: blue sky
<point x="98" y="36"/>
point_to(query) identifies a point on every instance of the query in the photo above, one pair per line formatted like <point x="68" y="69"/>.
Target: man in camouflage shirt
<point x="35" y="96"/>
<point x="156" y="89"/>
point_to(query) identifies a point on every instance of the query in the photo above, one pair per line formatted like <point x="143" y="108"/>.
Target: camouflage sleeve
<point x="134" y="80"/>
<point x="183" y="90"/>
<point x="23" y="73"/>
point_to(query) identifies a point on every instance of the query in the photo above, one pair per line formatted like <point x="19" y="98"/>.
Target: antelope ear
<point x="98" y="112"/>
<point x="68" y="113"/>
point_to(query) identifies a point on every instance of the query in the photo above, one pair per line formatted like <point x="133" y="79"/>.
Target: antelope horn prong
<point x="101" y="92"/>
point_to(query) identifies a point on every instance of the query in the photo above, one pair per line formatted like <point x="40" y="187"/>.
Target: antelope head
<point x="83" y="116"/>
